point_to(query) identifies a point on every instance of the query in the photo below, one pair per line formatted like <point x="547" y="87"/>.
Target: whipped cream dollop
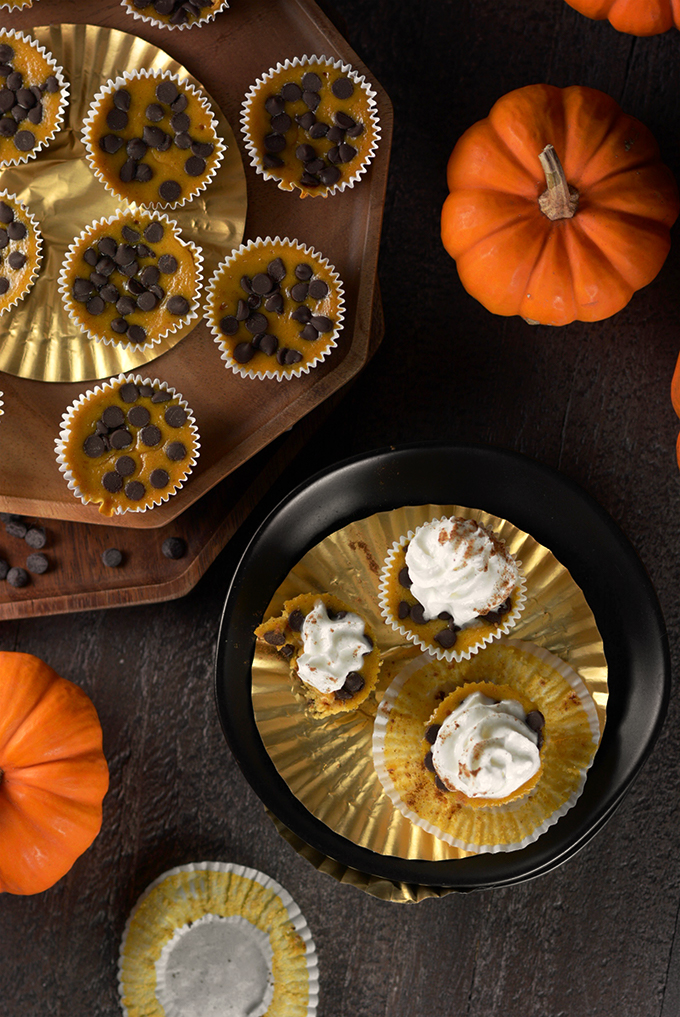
<point x="485" y="748"/>
<point x="331" y="648"/>
<point x="458" y="566"/>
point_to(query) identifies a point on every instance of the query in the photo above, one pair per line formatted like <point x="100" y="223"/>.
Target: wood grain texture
<point x="596" y="936"/>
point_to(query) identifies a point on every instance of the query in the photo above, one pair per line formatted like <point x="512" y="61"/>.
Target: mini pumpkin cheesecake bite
<point x="311" y="124"/>
<point x="127" y="445"/>
<point x="33" y="95"/>
<point x="175" y="13"/>
<point x="152" y="139"/>
<point x="275" y="309"/>
<point x="20" y="250"/>
<point x="330" y="650"/>
<point x="451" y="586"/>
<point x="131" y="280"/>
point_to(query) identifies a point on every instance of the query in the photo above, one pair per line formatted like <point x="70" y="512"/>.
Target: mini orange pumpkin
<point x="637" y="17"/>
<point x="556" y="244"/>
<point x="53" y="774"/>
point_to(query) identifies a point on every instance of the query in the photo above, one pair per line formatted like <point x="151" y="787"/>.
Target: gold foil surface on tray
<point x="37" y="338"/>
<point x="328" y="765"/>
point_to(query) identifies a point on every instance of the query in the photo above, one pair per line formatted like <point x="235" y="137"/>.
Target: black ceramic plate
<point x="556" y="513"/>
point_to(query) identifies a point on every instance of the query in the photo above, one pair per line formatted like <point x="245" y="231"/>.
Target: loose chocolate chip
<point x="175" y="451"/>
<point x="125" y="466"/>
<point x="418" y="613"/>
<point x="229" y="325"/>
<point x="342" y="88"/>
<point x="113" y="416"/>
<point x="274" y="637"/>
<point x="178" y="305"/>
<point x="151" y="435"/>
<point x="136" y="334"/>
<point x="16" y="527"/>
<point x="167" y="92"/>
<point x="138" y="416"/>
<point x="17" y="577"/>
<point x="274" y="303"/>
<point x="36" y="537"/>
<point x="404" y="577"/>
<point x="299" y="291"/>
<point x="446" y="638"/>
<point x="153" y="233"/>
<point x="175" y="416"/>
<point x="112" y="482"/>
<point x="120" y="438"/>
<point x="170" y="190"/>
<point x="318" y="289"/>
<point x="4" y="568"/>
<point x="112" y="557"/>
<point x="174" y="547"/>
<point x="403" y="610"/>
<point x="93" y="446"/>
<point x="431" y="733"/>
<point x="134" y="490"/>
<point x="159" y="478"/>
<point x="243" y="352"/>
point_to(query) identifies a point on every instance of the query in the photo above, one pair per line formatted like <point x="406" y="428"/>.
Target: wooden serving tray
<point x="236" y="417"/>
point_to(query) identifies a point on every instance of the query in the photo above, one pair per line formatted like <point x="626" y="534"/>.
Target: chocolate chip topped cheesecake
<point x="20" y="250"/>
<point x="175" y="13"/>
<point x="33" y="93"/>
<point x="152" y="139"/>
<point x="275" y="308"/>
<point x="127" y="445"/>
<point x="131" y="279"/>
<point x="311" y="124"/>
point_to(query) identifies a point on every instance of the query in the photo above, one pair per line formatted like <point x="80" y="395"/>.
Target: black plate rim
<point x="536" y="498"/>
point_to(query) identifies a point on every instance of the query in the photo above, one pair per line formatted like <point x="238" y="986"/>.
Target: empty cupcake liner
<point x="522" y="818"/>
<point x="38" y="260"/>
<point x="68" y="419"/>
<point x="58" y="72"/>
<point x="90" y="141"/>
<point x="75" y="247"/>
<point x="283" y="373"/>
<point x="213" y="937"/>
<point x="485" y="637"/>
<point x="159" y="23"/>
<point x="265" y="79"/>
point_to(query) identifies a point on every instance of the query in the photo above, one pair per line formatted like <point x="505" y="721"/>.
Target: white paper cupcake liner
<point x="127" y="4"/>
<point x="123" y="344"/>
<point x="250" y="143"/>
<point x="58" y="72"/>
<point x="282" y="373"/>
<point x="378" y="743"/>
<point x="182" y="987"/>
<point x="67" y="418"/>
<point x="90" y="141"/>
<point x="17" y="5"/>
<point x="39" y="256"/>
<point x="485" y="637"/>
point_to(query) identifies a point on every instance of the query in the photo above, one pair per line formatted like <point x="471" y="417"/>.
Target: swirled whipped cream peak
<point x="485" y="748"/>
<point x="457" y="565"/>
<point x="331" y="647"/>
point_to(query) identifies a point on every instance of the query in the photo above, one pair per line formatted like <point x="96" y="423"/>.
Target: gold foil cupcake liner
<point x="58" y="72"/>
<point x="282" y="373"/>
<point x="39" y="245"/>
<point x="127" y="4"/>
<point x="439" y="652"/>
<point x="208" y="934"/>
<point x="326" y="764"/>
<point x="90" y="141"/>
<point x="572" y="736"/>
<point x="250" y="143"/>
<point x="184" y="324"/>
<point x="64" y="434"/>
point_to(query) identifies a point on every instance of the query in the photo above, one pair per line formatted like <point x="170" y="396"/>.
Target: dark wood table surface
<point x="596" y="936"/>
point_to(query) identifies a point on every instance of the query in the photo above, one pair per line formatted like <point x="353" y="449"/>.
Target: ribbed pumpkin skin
<point x="515" y="260"/>
<point x="54" y="774"/>
<point x="637" y="17"/>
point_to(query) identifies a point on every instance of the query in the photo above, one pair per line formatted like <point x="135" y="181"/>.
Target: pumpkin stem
<point x="559" y="201"/>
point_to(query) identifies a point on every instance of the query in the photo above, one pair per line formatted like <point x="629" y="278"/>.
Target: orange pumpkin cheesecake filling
<point x="20" y="250"/>
<point x="32" y="94"/>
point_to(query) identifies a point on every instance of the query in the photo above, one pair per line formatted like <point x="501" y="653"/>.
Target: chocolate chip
<point x="287" y="650"/>
<point x="318" y="289"/>
<point x="229" y="325"/>
<point x="52" y="84"/>
<point x="167" y="92"/>
<point x="309" y="334"/>
<point x="129" y="234"/>
<point x="24" y="141"/>
<point x="146" y="301"/>
<point x="274" y="637"/>
<point x="336" y="134"/>
<point x="291" y="91"/>
<point x="113" y="416"/>
<point x="139" y="416"/>
<point x="159" y="478"/>
<point x="176" y="451"/>
<point x="4" y="284"/>
<point x="35" y="115"/>
<point x="403" y="610"/>
<point x="286" y="357"/>
<point x="6" y="213"/>
<point x="36" y="537"/>
<point x="175" y="416"/>
<point x="404" y="577"/>
<point x="180" y="123"/>
<point x="26" y="98"/>
<point x="274" y="303"/>
<point x="268" y="344"/>
<point x="183" y="141"/>
<point x="122" y="99"/>
<point x="446" y="638"/>
<point x="119" y="325"/>
<point x="6" y="53"/>
<point x="301" y="314"/>
<point x="116" y="119"/>
<point x="112" y="482"/>
<point x="354" y="682"/>
<point x="440" y="783"/>
<point x="174" y="547"/>
<point x="128" y="171"/>
<point x="203" y="149"/>
<point x="93" y="446"/>
<point x="125" y="305"/>
<point x="109" y="293"/>
<point x="346" y="152"/>
<point x="167" y="264"/>
<point x="269" y="160"/>
<point x="136" y="334"/>
<point x="342" y="88"/>
<point x="170" y="190"/>
<point x="418" y="613"/>
<point x="161" y="395"/>
<point x="274" y="104"/>
<point x="535" y="720"/>
<point x="112" y="557"/>
<point x="428" y="762"/>
<point x="4" y="568"/>
<point x="16" y="527"/>
<point x="154" y="112"/>
<point x="431" y="733"/>
<point x="179" y="104"/>
<point x="153" y="233"/>
<point x="134" y="490"/>
<point x="151" y="435"/>
<point x="311" y="99"/>
<point x="256" y="323"/>
<point x="194" y="166"/>
<point x="82" y="289"/>
<point x="125" y="466"/>
<point x="354" y="132"/>
<point x="7" y="127"/>
<point x="120" y="438"/>
<point x="17" y="577"/>
<point x="243" y="352"/>
<point x="299" y="291"/>
<point x="321" y="323"/>
<point x="330" y="175"/>
<point x="178" y="305"/>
